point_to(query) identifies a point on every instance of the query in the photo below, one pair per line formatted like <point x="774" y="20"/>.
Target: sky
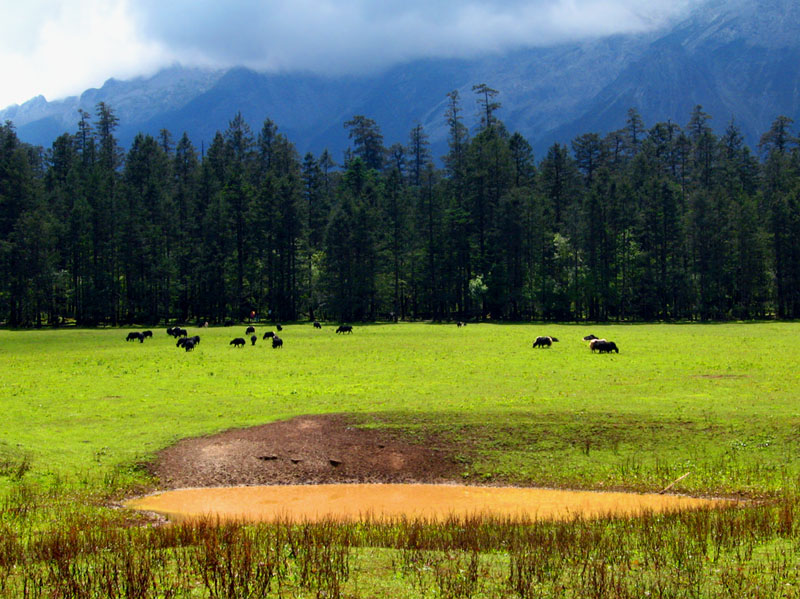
<point x="58" y="48"/>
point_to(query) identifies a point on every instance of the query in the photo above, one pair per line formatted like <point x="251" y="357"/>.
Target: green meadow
<point x="84" y="410"/>
<point x="720" y="401"/>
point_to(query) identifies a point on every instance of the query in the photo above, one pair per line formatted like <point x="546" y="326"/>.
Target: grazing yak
<point x="146" y="334"/>
<point x="461" y="323"/>
<point x="544" y="341"/>
<point x="184" y="340"/>
<point x="253" y="339"/>
<point x="250" y="329"/>
<point x="317" y="325"/>
<point x="135" y="336"/>
<point x="345" y="328"/>
<point x="605" y="347"/>
<point x="277" y="342"/>
<point x="268" y="334"/>
<point x="238" y="342"/>
<point x="594" y="342"/>
<point x="279" y="327"/>
<point x="189" y="344"/>
<point x="590" y="337"/>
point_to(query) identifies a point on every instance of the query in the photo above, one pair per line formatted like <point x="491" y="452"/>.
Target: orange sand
<point x="349" y="502"/>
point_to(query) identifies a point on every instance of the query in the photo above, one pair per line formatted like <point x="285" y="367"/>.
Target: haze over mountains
<point x="738" y="59"/>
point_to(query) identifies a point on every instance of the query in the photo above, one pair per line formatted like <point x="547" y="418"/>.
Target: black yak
<point x="250" y="329"/>
<point x="253" y="339"/>
<point x="184" y="340"/>
<point x="268" y="334"/>
<point x="345" y="328"/>
<point x="544" y="341"/>
<point x="134" y="336"/>
<point x="238" y="342"/>
<point x="146" y="334"/>
<point x="317" y="325"/>
<point x="590" y="337"/>
<point x="606" y="347"/>
<point x="277" y="342"/>
<point x="279" y="327"/>
<point x="189" y="344"/>
<point x="594" y="342"/>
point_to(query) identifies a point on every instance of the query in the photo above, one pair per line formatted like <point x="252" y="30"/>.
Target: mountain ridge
<point x="737" y="59"/>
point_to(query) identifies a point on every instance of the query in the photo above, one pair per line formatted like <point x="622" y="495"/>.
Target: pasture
<point x="83" y="409"/>
<point x="720" y="401"/>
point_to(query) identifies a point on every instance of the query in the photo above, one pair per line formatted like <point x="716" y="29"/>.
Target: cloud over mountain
<point x="354" y="36"/>
<point x="60" y="47"/>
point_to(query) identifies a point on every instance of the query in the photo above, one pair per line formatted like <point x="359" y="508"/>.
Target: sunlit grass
<point x="719" y="400"/>
<point x="81" y="409"/>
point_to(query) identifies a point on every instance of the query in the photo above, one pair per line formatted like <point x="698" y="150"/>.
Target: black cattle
<point x="147" y="334"/>
<point x="249" y="330"/>
<point x="593" y="343"/>
<point x="345" y="328"/>
<point x="268" y="334"/>
<point x="461" y="323"/>
<point x="238" y="342"/>
<point x="181" y="333"/>
<point x="253" y="339"/>
<point x="317" y="325"/>
<point x="279" y="327"/>
<point x="605" y="347"/>
<point x="188" y="344"/>
<point x="134" y="336"/>
<point x="181" y="341"/>
<point x="195" y="339"/>
<point x="590" y="337"/>
<point x="171" y="330"/>
<point x="277" y="342"/>
<point x="544" y="341"/>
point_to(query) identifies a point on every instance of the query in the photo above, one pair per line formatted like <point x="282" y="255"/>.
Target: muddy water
<point x="348" y="502"/>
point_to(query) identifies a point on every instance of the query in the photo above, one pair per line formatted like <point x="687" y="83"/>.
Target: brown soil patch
<point x="303" y="450"/>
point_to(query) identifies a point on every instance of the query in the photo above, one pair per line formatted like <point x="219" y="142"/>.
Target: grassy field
<point x="83" y="408"/>
<point x="720" y="401"/>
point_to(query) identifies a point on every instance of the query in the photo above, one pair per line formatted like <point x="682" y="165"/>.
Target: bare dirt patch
<point x="303" y="450"/>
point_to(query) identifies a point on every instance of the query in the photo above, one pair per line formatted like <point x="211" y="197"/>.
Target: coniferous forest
<point x="650" y="222"/>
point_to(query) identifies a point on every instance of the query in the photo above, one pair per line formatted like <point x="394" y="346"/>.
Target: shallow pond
<point x="434" y="502"/>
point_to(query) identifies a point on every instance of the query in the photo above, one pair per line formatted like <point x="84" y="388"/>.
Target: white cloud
<point x="72" y="45"/>
<point x="325" y="36"/>
<point x="80" y="43"/>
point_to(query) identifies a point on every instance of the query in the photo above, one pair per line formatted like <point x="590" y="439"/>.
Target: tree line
<point x="646" y="223"/>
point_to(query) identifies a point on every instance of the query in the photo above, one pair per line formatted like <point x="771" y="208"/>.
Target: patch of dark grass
<point x="711" y="553"/>
<point x="587" y="450"/>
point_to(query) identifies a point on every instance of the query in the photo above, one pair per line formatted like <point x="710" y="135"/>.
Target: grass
<point x="82" y="409"/>
<point x="717" y="400"/>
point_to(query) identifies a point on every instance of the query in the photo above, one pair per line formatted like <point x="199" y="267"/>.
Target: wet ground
<point x="433" y="502"/>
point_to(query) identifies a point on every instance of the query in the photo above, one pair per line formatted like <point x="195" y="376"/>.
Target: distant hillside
<point x="738" y="59"/>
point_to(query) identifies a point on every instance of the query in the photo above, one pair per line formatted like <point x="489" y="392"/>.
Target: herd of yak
<point x="189" y="343"/>
<point x="602" y="346"/>
<point x="596" y="344"/>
